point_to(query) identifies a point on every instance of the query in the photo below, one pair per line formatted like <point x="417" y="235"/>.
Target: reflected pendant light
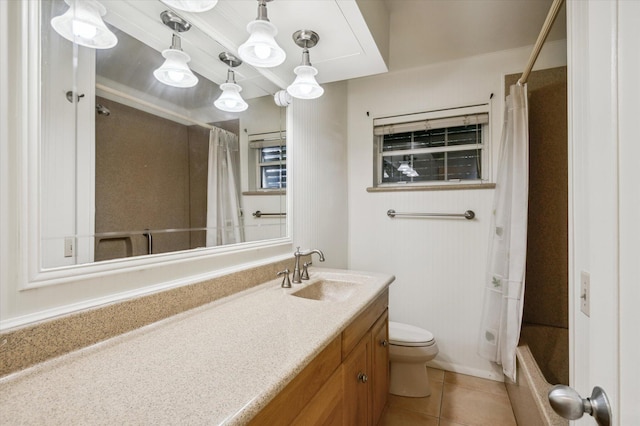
<point x="305" y="85"/>
<point x="196" y="6"/>
<point x="82" y="24"/>
<point x="261" y="49"/>
<point x="175" y="71"/>
<point x="230" y="99"/>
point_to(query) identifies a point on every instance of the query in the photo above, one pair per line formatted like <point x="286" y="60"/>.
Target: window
<point x="273" y="167"/>
<point x="430" y="150"/>
<point x="270" y="154"/>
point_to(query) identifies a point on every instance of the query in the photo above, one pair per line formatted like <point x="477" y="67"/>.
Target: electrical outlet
<point x="68" y="247"/>
<point x="585" y="292"/>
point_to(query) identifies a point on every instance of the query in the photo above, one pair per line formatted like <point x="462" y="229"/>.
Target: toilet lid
<point x="408" y="335"/>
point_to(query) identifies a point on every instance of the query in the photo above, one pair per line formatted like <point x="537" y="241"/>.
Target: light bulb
<point x="305" y="88"/>
<point x="82" y="29"/>
<point x="262" y="51"/>
<point x="191" y="5"/>
<point x="175" y="76"/>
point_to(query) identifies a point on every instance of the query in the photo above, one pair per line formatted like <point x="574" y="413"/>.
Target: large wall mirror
<point x="130" y="166"/>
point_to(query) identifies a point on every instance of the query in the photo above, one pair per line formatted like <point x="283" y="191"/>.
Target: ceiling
<point x="357" y="38"/>
<point x="425" y="32"/>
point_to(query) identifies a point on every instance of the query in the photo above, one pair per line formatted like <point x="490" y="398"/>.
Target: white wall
<point x="317" y="147"/>
<point x="439" y="264"/>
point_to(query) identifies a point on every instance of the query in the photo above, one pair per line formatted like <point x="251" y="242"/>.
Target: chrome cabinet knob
<point x="362" y="377"/>
<point x="384" y="343"/>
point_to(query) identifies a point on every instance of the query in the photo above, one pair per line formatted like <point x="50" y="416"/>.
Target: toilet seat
<point x="408" y="335"/>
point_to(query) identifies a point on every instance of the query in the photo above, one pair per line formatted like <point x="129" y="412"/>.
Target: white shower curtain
<point x="504" y="291"/>
<point x="224" y="216"/>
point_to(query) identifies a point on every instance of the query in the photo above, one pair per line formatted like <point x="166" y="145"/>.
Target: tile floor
<point x="456" y="400"/>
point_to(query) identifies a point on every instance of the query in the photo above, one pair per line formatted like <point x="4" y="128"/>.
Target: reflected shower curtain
<point x="504" y="283"/>
<point x="224" y="217"/>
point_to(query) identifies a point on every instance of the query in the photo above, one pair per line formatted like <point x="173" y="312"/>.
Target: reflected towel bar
<point x="147" y="234"/>
<point x="469" y="214"/>
<point x="259" y="214"/>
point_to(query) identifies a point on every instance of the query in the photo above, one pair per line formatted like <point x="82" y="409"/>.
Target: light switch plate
<point x="585" y="293"/>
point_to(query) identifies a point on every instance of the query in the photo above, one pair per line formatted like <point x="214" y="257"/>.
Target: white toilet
<point x="410" y="348"/>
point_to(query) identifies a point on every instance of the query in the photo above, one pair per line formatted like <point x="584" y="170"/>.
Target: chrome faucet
<point x="297" y="278"/>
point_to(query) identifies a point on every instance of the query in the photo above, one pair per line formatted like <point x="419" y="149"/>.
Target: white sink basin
<point x="328" y="290"/>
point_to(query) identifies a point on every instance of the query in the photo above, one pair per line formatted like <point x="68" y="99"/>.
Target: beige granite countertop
<point x="220" y="363"/>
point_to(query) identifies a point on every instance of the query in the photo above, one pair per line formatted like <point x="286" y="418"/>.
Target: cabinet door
<point x="380" y="366"/>
<point x="326" y="407"/>
<point x="357" y="384"/>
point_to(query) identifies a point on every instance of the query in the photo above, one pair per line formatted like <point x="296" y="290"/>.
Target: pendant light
<point x="261" y="49"/>
<point x="175" y="71"/>
<point x="305" y="85"/>
<point x="196" y="6"/>
<point x="230" y="99"/>
<point x="82" y="24"/>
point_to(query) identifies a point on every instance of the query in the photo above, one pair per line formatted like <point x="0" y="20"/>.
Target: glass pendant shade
<point x="230" y="99"/>
<point x="175" y="71"/>
<point x="191" y="5"/>
<point x="261" y="49"/>
<point x="305" y="85"/>
<point x="83" y="25"/>
<point x="404" y="166"/>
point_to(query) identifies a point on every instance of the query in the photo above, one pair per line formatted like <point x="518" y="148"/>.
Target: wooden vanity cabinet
<point x="346" y="384"/>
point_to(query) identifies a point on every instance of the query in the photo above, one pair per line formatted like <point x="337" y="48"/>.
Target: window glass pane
<point x="413" y="168"/>
<point x="464" y="135"/>
<point x="273" y="153"/>
<point x="273" y="177"/>
<point x="463" y="164"/>
<point x="397" y="142"/>
<point x="429" y="138"/>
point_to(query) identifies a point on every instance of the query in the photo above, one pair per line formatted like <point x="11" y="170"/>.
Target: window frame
<point x="439" y="119"/>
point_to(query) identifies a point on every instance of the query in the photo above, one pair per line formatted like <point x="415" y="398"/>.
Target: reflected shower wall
<point x="151" y="173"/>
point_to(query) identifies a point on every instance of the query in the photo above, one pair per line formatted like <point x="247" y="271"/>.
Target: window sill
<point x="266" y="192"/>
<point x="432" y="187"/>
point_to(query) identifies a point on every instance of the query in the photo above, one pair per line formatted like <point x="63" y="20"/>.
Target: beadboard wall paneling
<point x="439" y="263"/>
<point x="318" y="166"/>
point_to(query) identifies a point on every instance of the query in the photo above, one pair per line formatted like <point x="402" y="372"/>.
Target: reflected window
<point x="270" y="154"/>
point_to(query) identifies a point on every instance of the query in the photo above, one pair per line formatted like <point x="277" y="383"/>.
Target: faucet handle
<point x="305" y="270"/>
<point x="286" y="283"/>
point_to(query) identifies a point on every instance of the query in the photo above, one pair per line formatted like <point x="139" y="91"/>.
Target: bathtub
<point x="528" y="394"/>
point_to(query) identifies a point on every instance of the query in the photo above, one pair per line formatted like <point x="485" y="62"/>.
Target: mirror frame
<point x="32" y="275"/>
